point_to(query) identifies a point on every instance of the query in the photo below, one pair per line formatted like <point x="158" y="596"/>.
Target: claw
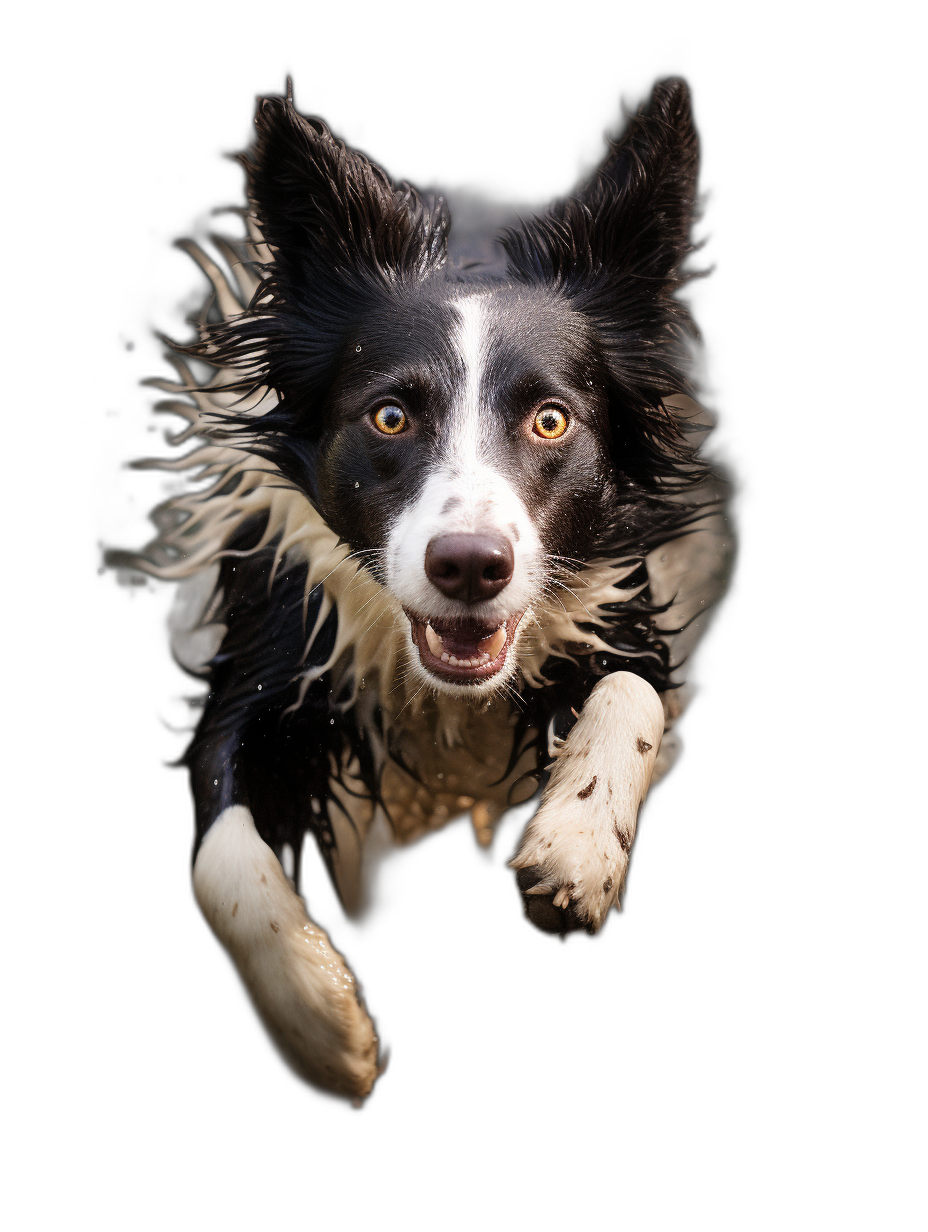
<point x="555" y="743"/>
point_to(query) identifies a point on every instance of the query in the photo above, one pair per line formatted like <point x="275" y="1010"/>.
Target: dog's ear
<point x="616" y="246"/>
<point x="321" y="205"/>
<point x="341" y="238"/>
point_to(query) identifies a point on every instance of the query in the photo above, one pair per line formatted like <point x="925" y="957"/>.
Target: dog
<point x="452" y="542"/>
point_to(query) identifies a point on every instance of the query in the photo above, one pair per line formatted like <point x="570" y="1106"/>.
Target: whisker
<point x="555" y="582"/>
<point x="343" y="561"/>
<point x="411" y="699"/>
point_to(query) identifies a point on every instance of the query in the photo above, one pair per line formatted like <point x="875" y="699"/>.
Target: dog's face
<point x="466" y="452"/>
<point x="470" y="439"/>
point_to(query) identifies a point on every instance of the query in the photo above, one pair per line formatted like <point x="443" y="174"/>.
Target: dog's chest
<point x="438" y="759"/>
<point x="448" y="757"/>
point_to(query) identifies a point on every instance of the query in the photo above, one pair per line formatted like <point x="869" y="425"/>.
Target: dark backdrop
<point x="685" y="1003"/>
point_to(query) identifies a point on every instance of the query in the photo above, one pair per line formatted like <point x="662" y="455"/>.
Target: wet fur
<point x="316" y="715"/>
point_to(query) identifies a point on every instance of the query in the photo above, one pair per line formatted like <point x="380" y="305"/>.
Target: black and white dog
<point x="454" y="539"/>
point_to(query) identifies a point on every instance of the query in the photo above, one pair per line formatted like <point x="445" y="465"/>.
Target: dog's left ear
<point x="615" y="247"/>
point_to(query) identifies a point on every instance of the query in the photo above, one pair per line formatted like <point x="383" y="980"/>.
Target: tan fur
<point x="195" y="526"/>
<point x="456" y="749"/>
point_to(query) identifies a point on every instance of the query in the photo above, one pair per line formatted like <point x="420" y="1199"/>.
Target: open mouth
<point x="463" y="651"/>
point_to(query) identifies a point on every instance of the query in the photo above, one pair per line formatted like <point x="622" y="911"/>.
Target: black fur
<point x="354" y="306"/>
<point x="359" y="261"/>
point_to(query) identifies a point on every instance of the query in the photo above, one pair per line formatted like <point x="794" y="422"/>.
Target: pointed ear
<point x="633" y="215"/>
<point x="322" y="205"/>
<point x="615" y="247"/>
<point x="342" y="238"/>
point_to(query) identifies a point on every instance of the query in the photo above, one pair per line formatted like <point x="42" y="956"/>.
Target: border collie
<point x="452" y="543"/>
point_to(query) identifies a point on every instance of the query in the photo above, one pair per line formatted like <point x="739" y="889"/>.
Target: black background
<point x="684" y="1012"/>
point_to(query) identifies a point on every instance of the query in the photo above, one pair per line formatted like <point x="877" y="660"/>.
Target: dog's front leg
<point x="299" y="983"/>
<point x="574" y="853"/>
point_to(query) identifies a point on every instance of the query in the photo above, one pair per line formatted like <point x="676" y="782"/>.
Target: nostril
<point x="497" y="569"/>
<point x="470" y="568"/>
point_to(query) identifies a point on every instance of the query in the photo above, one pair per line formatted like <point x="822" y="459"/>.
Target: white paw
<point x="574" y="854"/>
<point x="300" y="984"/>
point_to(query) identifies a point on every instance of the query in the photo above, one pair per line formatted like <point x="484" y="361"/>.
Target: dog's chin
<point x="464" y="655"/>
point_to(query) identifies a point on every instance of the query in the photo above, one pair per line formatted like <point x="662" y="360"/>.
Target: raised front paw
<point x="574" y="854"/>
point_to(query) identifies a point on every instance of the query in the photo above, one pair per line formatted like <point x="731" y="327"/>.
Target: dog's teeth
<point x="487" y="650"/>
<point x="434" y="642"/>
<point x="492" y="645"/>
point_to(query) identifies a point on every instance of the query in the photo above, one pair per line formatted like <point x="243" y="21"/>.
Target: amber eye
<point x="390" y="420"/>
<point x="550" y="422"/>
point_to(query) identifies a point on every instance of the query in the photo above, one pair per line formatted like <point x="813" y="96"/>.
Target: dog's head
<point x="473" y="438"/>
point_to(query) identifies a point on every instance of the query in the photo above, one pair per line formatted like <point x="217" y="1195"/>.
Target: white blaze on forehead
<point x="467" y="491"/>
<point x="471" y="343"/>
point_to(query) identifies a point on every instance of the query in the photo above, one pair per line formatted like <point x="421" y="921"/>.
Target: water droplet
<point x="358" y="347"/>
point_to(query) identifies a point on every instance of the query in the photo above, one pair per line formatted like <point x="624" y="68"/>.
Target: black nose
<point x="469" y="567"/>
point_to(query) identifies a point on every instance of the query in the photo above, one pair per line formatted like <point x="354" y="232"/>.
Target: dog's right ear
<point x="321" y="205"/>
<point x="342" y="238"/>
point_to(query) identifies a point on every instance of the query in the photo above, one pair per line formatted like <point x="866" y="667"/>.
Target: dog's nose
<point x="469" y="567"/>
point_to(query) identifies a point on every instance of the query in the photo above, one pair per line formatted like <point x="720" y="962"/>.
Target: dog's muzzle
<point x="471" y="569"/>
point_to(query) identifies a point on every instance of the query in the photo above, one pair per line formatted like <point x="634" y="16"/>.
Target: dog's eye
<point x="390" y="420"/>
<point x="550" y="422"/>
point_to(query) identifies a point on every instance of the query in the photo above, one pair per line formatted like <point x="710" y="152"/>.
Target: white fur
<point x="465" y="494"/>
<point x="300" y="984"/>
<point x="584" y="828"/>
<point x="194" y="532"/>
